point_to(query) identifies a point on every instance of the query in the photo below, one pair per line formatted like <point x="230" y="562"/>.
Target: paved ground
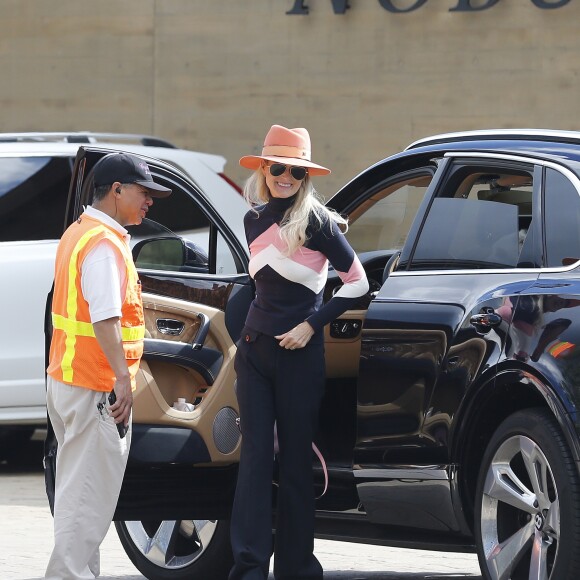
<point x="26" y="542"/>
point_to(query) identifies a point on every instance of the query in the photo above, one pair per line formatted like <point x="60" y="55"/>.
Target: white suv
<point x="35" y="174"/>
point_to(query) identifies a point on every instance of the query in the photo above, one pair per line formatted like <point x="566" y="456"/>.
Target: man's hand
<point x="108" y="334"/>
<point x="298" y="337"/>
<point x="121" y="408"/>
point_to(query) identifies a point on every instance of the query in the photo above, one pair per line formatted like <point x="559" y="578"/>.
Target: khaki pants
<point x="90" y="465"/>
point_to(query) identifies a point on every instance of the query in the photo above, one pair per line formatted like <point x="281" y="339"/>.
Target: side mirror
<point x="160" y="254"/>
<point x="170" y="253"/>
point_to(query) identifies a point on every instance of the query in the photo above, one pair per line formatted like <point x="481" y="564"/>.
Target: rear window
<point x="481" y="218"/>
<point x="462" y="233"/>
<point x="33" y="194"/>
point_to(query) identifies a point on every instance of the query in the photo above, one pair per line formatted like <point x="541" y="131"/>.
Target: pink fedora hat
<point x="289" y="146"/>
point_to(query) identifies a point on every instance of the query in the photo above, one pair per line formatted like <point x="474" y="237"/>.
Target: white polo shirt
<point x="103" y="273"/>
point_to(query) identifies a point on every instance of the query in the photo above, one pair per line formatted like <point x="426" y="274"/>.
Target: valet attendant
<point x="292" y="237"/>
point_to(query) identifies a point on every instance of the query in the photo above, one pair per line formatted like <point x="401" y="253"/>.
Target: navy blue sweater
<point x="289" y="289"/>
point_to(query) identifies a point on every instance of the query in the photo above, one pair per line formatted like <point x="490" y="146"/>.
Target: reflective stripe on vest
<point x="86" y="328"/>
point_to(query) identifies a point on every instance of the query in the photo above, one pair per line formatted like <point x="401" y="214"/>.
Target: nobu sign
<point x="395" y="6"/>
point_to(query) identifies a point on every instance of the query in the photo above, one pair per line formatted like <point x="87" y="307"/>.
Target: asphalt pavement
<point x="26" y="541"/>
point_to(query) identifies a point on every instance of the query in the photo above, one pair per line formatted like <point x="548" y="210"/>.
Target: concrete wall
<point x="215" y="74"/>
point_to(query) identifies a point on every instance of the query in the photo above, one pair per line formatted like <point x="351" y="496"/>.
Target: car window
<point x="479" y="219"/>
<point x="562" y="220"/>
<point x="183" y="237"/>
<point x="383" y="220"/>
<point x="33" y="194"/>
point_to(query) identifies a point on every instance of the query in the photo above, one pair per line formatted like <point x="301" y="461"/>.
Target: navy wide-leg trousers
<point x="286" y="386"/>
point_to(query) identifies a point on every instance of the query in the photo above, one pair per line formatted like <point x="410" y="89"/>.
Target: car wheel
<point x="175" y="550"/>
<point x="528" y="502"/>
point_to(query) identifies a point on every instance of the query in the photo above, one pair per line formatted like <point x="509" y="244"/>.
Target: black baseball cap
<point x="126" y="168"/>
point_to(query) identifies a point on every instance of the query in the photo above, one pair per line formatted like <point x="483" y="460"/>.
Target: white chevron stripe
<point x="353" y="289"/>
<point x="288" y="268"/>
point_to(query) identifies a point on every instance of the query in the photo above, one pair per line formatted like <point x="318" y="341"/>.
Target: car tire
<point x="178" y="550"/>
<point x="527" y="510"/>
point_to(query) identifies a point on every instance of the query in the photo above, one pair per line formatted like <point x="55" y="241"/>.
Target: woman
<point x="280" y="358"/>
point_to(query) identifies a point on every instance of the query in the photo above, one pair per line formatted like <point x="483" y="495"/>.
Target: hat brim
<point x="254" y="162"/>
<point x="155" y="189"/>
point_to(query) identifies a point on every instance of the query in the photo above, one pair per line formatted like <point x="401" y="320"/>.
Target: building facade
<point x="366" y="77"/>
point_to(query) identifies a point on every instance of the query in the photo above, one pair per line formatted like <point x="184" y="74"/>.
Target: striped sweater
<point x="289" y="289"/>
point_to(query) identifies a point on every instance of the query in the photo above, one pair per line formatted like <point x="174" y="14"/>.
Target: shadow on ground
<point x="22" y="456"/>
<point x="351" y="575"/>
<point x="330" y="575"/>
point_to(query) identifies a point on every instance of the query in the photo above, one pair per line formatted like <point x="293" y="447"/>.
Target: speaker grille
<point x="226" y="434"/>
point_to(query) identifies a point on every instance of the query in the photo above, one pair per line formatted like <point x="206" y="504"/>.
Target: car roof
<point x="66" y="144"/>
<point x="86" y="137"/>
<point x="203" y="169"/>
<point x="540" y="135"/>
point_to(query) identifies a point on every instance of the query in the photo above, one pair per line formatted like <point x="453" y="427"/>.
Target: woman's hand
<point x="298" y="337"/>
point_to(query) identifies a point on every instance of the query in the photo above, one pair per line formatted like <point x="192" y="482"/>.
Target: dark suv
<point x="449" y="420"/>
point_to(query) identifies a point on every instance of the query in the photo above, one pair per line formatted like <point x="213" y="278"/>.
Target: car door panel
<point x="377" y="227"/>
<point x="398" y="371"/>
<point x="201" y="371"/>
<point x="413" y="378"/>
<point x="173" y="369"/>
<point x="205" y="361"/>
<point x="342" y="339"/>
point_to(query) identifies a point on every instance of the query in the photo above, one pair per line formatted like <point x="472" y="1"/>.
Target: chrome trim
<point x="500" y="133"/>
<point x="479" y="271"/>
<point x="506" y="157"/>
<point x="407" y="472"/>
<point x="170" y="326"/>
<point x="490" y="271"/>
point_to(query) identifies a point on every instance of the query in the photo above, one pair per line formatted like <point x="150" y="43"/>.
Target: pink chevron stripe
<point x="268" y="238"/>
<point x="355" y="273"/>
<point x="304" y="256"/>
<point x="310" y="258"/>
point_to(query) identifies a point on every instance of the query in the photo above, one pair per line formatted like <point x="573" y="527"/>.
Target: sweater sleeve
<point x="334" y="245"/>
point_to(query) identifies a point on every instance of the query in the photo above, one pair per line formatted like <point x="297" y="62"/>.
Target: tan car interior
<point x="160" y="384"/>
<point x="384" y="228"/>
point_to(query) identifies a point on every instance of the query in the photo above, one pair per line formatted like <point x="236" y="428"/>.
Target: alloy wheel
<point x="520" y="512"/>
<point x="171" y="544"/>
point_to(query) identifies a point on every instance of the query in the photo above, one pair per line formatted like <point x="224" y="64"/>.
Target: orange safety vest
<point x="76" y="357"/>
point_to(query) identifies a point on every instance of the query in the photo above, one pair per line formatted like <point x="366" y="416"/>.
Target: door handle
<point x="486" y="320"/>
<point x="202" y="332"/>
<point x="170" y="326"/>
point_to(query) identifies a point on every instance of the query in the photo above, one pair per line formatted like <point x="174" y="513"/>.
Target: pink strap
<point x="324" y="469"/>
<point x="318" y="454"/>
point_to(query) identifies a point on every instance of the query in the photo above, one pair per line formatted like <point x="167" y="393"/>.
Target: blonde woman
<point x="280" y="360"/>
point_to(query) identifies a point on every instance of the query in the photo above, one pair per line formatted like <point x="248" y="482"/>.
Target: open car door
<point x="196" y="294"/>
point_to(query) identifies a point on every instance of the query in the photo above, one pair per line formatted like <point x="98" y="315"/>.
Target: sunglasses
<point x="298" y="173"/>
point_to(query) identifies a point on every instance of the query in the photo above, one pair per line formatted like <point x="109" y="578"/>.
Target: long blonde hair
<point x="297" y="217"/>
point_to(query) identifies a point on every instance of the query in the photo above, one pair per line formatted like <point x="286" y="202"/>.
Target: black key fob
<point x="121" y="428"/>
